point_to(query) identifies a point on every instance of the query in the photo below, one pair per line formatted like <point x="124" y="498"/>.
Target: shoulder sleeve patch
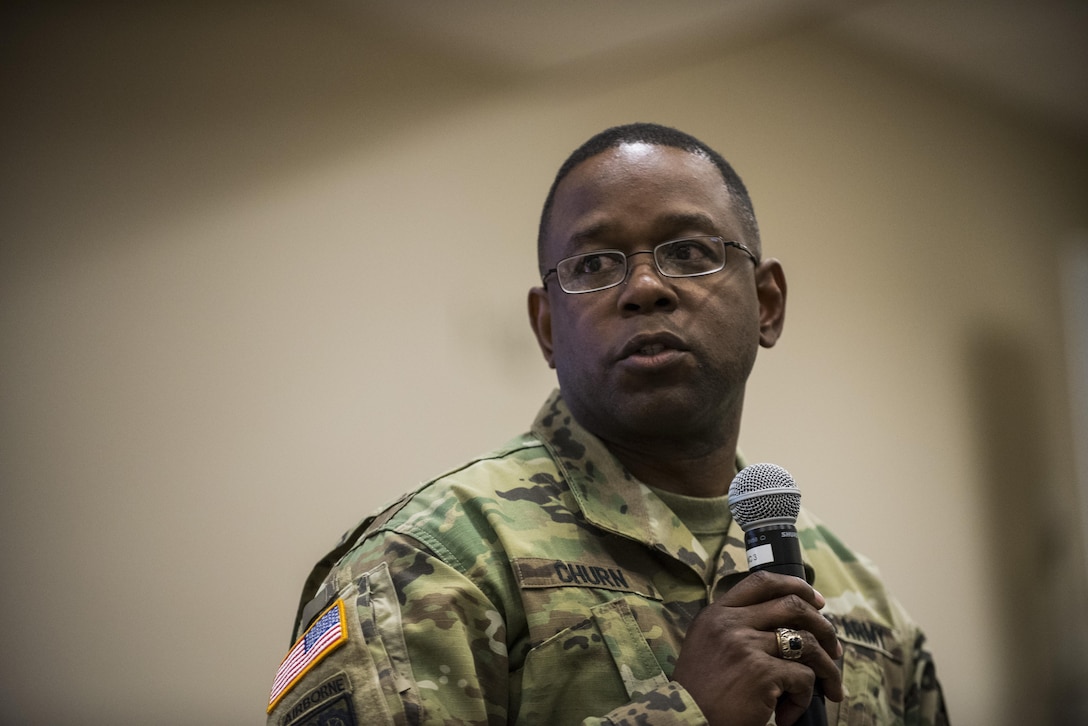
<point x="337" y="711"/>
<point x="327" y="633"/>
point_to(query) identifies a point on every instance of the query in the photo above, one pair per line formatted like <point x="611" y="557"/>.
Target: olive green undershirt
<point x="708" y="518"/>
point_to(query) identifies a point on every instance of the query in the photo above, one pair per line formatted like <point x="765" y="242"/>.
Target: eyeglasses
<point x="602" y="269"/>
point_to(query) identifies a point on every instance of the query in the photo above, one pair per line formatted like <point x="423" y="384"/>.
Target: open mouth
<point x="650" y="349"/>
<point x="656" y="347"/>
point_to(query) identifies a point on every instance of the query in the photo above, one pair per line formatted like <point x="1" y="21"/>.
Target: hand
<point x="730" y="662"/>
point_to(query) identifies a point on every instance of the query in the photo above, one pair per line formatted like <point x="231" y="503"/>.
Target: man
<point x="589" y="571"/>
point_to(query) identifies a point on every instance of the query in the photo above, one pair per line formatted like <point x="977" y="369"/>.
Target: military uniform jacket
<point x="542" y="584"/>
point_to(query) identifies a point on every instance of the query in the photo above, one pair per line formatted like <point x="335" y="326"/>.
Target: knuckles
<point x="795" y="605"/>
<point x="760" y="579"/>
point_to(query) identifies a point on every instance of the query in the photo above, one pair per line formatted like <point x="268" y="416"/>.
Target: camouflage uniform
<point x="543" y="584"/>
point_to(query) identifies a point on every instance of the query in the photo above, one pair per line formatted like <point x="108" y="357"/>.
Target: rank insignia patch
<point x="323" y="637"/>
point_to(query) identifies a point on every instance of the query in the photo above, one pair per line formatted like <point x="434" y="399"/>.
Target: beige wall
<point x="208" y="368"/>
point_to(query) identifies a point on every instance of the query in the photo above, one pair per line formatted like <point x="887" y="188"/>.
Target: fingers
<point x="732" y="665"/>
<point x="773" y="601"/>
<point x="761" y="586"/>
<point x="780" y="601"/>
<point x="812" y="655"/>
<point x="791" y="611"/>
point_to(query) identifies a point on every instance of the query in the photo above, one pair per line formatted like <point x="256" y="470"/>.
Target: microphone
<point x="765" y="502"/>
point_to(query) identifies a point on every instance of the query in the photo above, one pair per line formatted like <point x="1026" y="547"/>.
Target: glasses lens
<point x="592" y="271"/>
<point x="693" y="256"/>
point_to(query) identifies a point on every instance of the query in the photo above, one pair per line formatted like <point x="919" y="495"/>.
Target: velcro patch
<point x="323" y="637"/>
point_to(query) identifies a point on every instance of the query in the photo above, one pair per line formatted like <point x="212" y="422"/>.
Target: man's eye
<point x="688" y="251"/>
<point x="595" y="264"/>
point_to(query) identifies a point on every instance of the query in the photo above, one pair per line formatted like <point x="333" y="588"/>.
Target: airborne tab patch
<point x="322" y="638"/>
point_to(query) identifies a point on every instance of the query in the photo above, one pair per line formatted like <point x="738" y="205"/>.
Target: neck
<point x="695" y="472"/>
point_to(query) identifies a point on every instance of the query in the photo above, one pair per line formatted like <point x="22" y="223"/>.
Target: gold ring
<point x="790" y="643"/>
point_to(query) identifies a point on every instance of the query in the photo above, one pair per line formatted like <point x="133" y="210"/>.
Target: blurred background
<point x="213" y="358"/>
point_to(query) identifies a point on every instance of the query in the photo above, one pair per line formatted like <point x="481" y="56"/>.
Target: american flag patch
<point x="327" y="632"/>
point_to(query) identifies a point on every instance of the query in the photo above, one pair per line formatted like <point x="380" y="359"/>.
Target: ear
<point x="771" y="292"/>
<point x="540" y="318"/>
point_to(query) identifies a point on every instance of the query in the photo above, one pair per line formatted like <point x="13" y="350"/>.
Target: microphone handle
<point x="816" y="715"/>
<point x="776" y="548"/>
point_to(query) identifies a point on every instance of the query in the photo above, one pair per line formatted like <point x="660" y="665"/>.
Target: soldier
<point x="589" y="571"/>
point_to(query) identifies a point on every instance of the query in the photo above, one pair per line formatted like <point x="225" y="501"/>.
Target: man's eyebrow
<point x="592" y="232"/>
<point x="681" y="220"/>
<point x="587" y="235"/>
<point x="664" y="226"/>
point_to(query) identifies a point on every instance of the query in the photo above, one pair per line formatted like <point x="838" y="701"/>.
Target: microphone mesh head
<point x="764" y="494"/>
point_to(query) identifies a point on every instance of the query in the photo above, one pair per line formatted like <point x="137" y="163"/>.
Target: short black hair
<point x="650" y="133"/>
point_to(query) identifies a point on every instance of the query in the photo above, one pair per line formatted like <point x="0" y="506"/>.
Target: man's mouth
<point x="652" y="345"/>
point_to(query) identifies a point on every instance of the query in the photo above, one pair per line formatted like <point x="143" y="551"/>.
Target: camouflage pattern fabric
<point x="542" y="584"/>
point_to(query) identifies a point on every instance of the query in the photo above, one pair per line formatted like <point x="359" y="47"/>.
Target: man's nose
<point x="645" y="287"/>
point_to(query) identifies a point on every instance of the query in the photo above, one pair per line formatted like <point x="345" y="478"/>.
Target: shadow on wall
<point x="1031" y="531"/>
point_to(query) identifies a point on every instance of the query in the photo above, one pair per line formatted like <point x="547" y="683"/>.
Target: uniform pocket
<point x="591" y="667"/>
<point x="631" y="654"/>
<point x="875" y="683"/>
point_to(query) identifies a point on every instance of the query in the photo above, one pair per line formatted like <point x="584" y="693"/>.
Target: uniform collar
<point x="610" y="497"/>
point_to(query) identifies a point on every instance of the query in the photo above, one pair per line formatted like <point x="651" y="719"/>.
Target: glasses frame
<point x="657" y="265"/>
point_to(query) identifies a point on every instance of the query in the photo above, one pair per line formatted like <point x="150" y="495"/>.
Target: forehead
<point x="642" y="193"/>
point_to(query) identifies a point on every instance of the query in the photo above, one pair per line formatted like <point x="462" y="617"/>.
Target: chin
<point x="666" y="412"/>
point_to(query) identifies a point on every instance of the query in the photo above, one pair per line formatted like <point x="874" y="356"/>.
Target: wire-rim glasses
<point x="602" y="269"/>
